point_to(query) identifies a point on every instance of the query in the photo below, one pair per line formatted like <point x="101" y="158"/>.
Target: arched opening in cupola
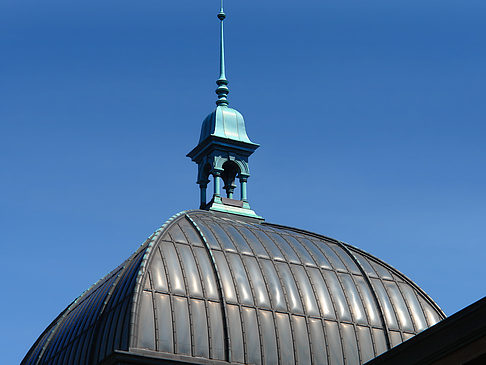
<point x="230" y="171"/>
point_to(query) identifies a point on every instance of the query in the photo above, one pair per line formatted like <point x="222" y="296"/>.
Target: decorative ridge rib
<point x="138" y="288"/>
<point x="56" y="327"/>
<point x="52" y="327"/>
<point x="404" y="277"/>
<point x="60" y="318"/>
<point x="373" y="292"/>
<point x="361" y="269"/>
<point x="366" y="254"/>
<point x="98" y="322"/>
<point x="220" y="289"/>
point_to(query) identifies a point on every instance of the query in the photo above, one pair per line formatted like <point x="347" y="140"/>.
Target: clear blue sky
<point x="371" y="116"/>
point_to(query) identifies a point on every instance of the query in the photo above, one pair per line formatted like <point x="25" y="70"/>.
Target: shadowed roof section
<point x="214" y="287"/>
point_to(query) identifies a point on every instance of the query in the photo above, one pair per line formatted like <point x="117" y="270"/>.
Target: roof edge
<point x="460" y="329"/>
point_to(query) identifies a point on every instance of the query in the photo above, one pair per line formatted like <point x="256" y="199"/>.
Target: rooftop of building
<point x="210" y="286"/>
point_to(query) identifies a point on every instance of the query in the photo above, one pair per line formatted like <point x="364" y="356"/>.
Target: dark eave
<point x="214" y="142"/>
<point x="459" y="331"/>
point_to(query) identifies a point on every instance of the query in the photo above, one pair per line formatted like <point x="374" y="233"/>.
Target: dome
<point x="210" y="287"/>
<point x="224" y="122"/>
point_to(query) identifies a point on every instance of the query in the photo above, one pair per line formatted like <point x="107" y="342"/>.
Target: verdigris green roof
<point x="225" y="122"/>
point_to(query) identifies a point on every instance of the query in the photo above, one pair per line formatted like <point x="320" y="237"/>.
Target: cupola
<point x="223" y="150"/>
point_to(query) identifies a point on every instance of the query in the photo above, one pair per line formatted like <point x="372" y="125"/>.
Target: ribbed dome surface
<point x="211" y="287"/>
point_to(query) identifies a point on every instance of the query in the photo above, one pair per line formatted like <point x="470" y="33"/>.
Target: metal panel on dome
<point x="236" y="333"/>
<point x="302" y="340"/>
<point x="285" y="338"/>
<point x="322" y="293"/>
<point x="294" y="300"/>
<point x="252" y="338"/>
<point x="217" y="331"/>
<point x="258" y="283"/>
<point x="182" y="329"/>
<point x="145" y="338"/>
<point x="366" y="343"/>
<point x="268" y="336"/>
<point x="379" y="341"/>
<point x="319" y="352"/>
<point x="201" y="339"/>
<point x="165" y="340"/>
<point x="275" y="288"/>
<point x="334" y="342"/>
<point x="306" y="291"/>
<point x="369" y="302"/>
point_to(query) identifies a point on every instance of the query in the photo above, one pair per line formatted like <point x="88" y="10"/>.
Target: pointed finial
<point x="222" y="90"/>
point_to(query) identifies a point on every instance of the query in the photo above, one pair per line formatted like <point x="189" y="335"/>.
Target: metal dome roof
<point x="208" y="287"/>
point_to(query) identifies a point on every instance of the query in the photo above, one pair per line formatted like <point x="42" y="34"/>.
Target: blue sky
<point x="371" y="117"/>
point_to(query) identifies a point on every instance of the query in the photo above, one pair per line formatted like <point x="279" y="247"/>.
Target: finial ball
<point x="221" y="16"/>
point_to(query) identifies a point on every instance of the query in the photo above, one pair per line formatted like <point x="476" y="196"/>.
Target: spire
<point x="222" y="90"/>
<point x="223" y="151"/>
